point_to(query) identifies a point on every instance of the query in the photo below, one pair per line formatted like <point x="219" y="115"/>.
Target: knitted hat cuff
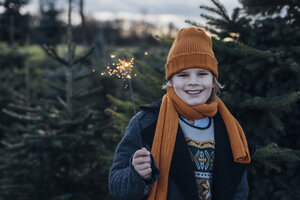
<point x="191" y="60"/>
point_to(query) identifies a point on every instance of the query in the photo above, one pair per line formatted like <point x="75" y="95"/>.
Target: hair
<point x="215" y="93"/>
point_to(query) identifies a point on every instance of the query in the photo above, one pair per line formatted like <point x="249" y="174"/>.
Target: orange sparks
<point x="121" y="69"/>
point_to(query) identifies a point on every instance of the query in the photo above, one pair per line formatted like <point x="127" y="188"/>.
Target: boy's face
<point x="193" y="86"/>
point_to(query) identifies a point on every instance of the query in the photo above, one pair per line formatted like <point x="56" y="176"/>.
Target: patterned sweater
<point x="201" y="144"/>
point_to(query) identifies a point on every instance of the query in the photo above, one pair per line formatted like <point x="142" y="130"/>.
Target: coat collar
<point x="155" y="106"/>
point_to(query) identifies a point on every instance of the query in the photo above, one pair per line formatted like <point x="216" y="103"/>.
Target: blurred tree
<point x="60" y="152"/>
<point x="14" y="25"/>
<point x="48" y="28"/>
<point x="287" y="10"/>
<point x="12" y="83"/>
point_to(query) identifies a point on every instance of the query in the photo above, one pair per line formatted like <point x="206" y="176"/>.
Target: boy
<point x="198" y="149"/>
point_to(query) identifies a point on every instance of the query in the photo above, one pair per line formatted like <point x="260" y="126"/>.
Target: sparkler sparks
<point x="123" y="69"/>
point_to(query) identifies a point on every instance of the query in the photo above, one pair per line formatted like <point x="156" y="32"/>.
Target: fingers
<point x="142" y="163"/>
<point x="142" y="157"/>
<point x="142" y="166"/>
<point x="142" y="152"/>
<point x="146" y="173"/>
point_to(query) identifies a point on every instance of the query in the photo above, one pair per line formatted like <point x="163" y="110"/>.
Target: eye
<point x="182" y="75"/>
<point x="202" y="73"/>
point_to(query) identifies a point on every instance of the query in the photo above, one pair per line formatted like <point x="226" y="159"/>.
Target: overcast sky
<point x="159" y="12"/>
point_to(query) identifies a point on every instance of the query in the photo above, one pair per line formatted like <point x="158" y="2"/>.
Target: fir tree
<point x="14" y="25"/>
<point x="58" y="150"/>
<point x="50" y="28"/>
<point x="259" y="65"/>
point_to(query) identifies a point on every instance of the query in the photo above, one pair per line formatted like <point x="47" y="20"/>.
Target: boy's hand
<point x="141" y="162"/>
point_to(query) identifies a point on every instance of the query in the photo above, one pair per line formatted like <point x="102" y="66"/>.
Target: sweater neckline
<point x="197" y="127"/>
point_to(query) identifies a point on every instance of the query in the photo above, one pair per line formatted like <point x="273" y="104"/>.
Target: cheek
<point x="175" y="83"/>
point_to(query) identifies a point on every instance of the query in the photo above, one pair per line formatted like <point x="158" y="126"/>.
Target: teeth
<point x="193" y="92"/>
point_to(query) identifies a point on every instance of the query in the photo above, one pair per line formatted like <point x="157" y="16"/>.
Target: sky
<point x="158" y="12"/>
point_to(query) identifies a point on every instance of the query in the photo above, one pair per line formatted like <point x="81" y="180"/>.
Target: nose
<point x="193" y="80"/>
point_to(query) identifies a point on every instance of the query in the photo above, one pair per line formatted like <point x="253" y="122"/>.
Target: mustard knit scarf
<point x="166" y="131"/>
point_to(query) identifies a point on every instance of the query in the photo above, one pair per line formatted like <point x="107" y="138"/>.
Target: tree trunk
<point x="83" y="27"/>
<point x="70" y="62"/>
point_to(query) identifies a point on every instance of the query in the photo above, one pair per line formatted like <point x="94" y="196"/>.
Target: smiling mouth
<point x="193" y="91"/>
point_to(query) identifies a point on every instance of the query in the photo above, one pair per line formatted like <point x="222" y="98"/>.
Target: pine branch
<point x="139" y="100"/>
<point x="276" y="121"/>
<point x="207" y="28"/>
<point x="22" y="117"/>
<point x="253" y="51"/>
<point x="271" y="154"/>
<point x="194" y="23"/>
<point x="62" y="102"/>
<point x="50" y="51"/>
<point x="55" y="86"/>
<point x="123" y="118"/>
<point x="124" y="105"/>
<point x="83" y="109"/>
<point x="222" y="10"/>
<point x="209" y="18"/>
<point x="7" y="144"/>
<point x="278" y="102"/>
<point x="165" y="40"/>
<point x="23" y="108"/>
<point x="19" y="95"/>
<point x="148" y="70"/>
<point x="256" y="102"/>
<point x="285" y="100"/>
<point x="235" y="14"/>
<point x="271" y="165"/>
<point x="84" y="57"/>
<point x="211" y="9"/>
<point x="82" y="94"/>
<point x="82" y="76"/>
<point x="83" y="120"/>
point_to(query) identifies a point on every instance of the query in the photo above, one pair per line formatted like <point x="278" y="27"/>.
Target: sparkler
<point x="123" y="69"/>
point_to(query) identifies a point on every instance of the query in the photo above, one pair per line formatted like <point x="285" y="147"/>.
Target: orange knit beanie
<point x="192" y="48"/>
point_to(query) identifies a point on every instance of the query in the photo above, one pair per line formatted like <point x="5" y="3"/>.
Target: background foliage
<point x="60" y="122"/>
